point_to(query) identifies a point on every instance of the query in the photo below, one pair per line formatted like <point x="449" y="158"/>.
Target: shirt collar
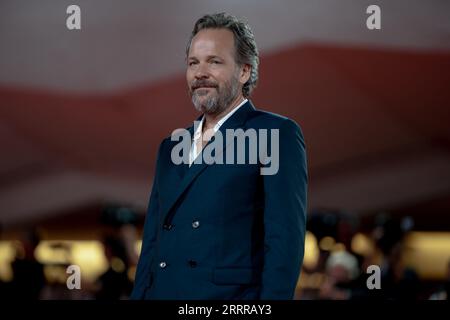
<point x="219" y="123"/>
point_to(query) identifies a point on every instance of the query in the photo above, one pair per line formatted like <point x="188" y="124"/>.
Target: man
<point x="225" y="230"/>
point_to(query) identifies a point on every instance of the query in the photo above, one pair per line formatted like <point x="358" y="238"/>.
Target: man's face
<point x="213" y="77"/>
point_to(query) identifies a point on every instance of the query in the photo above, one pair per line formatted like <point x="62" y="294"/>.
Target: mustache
<point x="203" y="83"/>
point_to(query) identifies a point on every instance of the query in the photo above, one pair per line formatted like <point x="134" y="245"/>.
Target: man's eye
<point x="216" y="62"/>
<point x="191" y="63"/>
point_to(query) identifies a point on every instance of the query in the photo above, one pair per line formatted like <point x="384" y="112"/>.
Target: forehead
<point x="218" y="42"/>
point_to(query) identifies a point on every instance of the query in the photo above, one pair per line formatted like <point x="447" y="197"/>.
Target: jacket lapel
<point x="237" y="120"/>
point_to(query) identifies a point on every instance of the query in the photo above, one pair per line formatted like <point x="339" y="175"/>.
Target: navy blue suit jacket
<point x="221" y="231"/>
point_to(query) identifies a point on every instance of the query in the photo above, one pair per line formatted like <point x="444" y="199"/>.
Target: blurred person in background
<point x="397" y="280"/>
<point x="114" y="283"/>
<point x="28" y="273"/>
<point x="341" y="270"/>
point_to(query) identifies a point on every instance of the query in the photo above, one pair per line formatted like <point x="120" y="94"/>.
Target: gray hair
<point x="246" y="50"/>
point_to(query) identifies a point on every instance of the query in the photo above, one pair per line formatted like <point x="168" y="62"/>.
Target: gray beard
<point x="217" y="103"/>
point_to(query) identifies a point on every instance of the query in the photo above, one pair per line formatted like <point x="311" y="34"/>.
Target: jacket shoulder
<point x="265" y="119"/>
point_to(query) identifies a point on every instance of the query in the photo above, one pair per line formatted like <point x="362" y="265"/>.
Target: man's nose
<point x="201" y="72"/>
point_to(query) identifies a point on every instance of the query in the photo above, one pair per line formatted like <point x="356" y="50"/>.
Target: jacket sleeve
<point x="285" y="196"/>
<point x="143" y="275"/>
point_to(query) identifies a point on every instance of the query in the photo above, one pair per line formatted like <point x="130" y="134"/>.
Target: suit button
<point x="195" y="224"/>
<point x="192" y="263"/>
<point x="162" y="265"/>
<point x="167" y="226"/>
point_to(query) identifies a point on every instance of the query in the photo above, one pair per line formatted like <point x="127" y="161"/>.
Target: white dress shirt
<point x="195" y="151"/>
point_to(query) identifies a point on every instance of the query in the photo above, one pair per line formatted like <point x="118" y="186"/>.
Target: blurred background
<point x="82" y="113"/>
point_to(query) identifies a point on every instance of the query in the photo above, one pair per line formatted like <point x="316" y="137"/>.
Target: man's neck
<point x="212" y="119"/>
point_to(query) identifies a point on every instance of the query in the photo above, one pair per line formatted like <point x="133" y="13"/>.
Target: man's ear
<point x="245" y="73"/>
